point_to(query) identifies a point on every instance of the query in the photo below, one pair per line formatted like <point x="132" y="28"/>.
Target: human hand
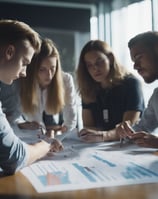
<point x="124" y="130"/>
<point x="64" y="128"/>
<point x="56" y="145"/>
<point x="144" y="139"/>
<point x="48" y="136"/>
<point x="50" y="133"/>
<point x="29" y="125"/>
<point x="90" y="135"/>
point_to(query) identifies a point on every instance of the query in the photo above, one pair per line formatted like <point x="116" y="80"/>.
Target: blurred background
<point x="71" y="23"/>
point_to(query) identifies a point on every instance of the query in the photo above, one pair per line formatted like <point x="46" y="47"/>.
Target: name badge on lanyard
<point x="106" y="115"/>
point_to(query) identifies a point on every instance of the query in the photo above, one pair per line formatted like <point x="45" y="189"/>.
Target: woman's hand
<point x="91" y="136"/>
<point x="29" y="125"/>
<point x="124" y="130"/>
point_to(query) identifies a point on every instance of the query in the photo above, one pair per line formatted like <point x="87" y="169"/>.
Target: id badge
<point x="106" y="115"/>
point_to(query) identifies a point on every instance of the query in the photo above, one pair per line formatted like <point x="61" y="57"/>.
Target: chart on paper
<point x="93" y="169"/>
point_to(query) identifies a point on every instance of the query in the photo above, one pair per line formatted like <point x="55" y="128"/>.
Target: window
<point x="126" y="23"/>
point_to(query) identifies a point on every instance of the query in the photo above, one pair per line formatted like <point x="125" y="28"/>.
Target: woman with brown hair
<point x="110" y="94"/>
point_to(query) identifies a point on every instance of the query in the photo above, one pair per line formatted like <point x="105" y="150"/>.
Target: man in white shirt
<point x="144" y="54"/>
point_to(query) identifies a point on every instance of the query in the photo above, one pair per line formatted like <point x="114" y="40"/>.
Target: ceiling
<point x="50" y="1"/>
<point x="71" y="15"/>
<point x="76" y="1"/>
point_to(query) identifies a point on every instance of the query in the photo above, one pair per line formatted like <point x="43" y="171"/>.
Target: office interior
<point x="71" y="23"/>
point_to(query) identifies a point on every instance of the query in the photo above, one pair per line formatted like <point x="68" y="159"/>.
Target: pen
<point x="42" y="134"/>
<point x="43" y="130"/>
<point x="121" y="142"/>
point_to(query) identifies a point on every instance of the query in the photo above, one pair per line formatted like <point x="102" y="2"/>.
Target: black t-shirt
<point x="113" y="102"/>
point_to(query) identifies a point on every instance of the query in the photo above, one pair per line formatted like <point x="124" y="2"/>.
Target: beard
<point x="150" y="78"/>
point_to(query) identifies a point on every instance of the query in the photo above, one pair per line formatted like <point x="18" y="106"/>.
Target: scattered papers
<point x="85" y="166"/>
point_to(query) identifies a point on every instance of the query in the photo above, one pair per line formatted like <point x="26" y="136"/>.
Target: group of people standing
<point x="36" y="93"/>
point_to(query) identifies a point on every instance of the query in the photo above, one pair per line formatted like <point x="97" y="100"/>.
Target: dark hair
<point x="148" y="39"/>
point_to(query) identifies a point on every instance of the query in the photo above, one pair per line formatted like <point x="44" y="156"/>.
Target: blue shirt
<point x="112" y="103"/>
<point x="13" y="152"/>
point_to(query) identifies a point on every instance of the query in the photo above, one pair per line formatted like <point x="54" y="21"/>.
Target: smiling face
<point x="98" y="65"/>
<point x="15" y="61"/>
<point x="47" y="71"/>
<point x="145" y="62"/>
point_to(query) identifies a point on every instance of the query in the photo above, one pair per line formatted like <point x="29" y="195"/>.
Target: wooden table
<point x="17" y="186"/>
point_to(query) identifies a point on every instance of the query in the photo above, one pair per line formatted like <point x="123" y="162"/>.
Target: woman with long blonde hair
<point x="47" y="90"/>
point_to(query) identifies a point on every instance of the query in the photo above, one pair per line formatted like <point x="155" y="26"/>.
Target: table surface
<point x="17" y="186"/>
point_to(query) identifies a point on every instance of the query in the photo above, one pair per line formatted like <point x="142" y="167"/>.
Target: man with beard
<point x="144" y="53"/>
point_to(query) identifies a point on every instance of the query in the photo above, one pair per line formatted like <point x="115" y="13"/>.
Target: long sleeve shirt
<point x="69" y="111"/>
<point x="149" y="120"/>
<point x="13" y="152"/>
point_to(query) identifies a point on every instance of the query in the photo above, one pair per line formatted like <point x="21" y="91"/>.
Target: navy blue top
<point x="113" y="102"/>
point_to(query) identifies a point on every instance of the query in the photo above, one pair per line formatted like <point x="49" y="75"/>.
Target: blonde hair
<point x="55" y="91"/>
<point x="88" y="87"/>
